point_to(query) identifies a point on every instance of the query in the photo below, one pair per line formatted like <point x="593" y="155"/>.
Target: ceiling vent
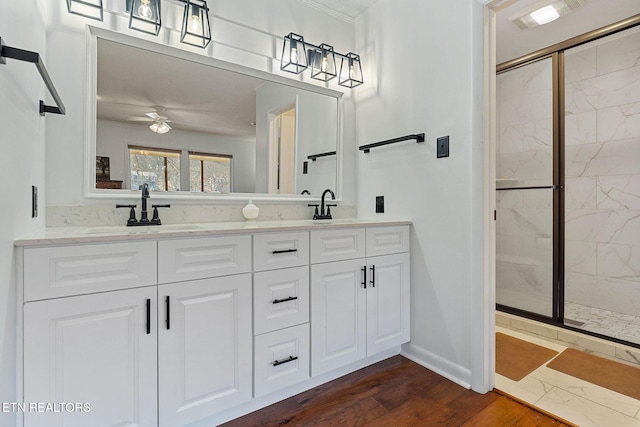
<point x="524" y="18"/>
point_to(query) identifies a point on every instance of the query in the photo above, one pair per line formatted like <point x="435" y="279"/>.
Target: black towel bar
<point x="419" y="137"/>
<point x="34" y="58"/>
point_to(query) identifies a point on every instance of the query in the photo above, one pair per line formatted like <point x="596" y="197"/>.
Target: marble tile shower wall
<point x="602" y="174"/>
<point x="524" y="158"/>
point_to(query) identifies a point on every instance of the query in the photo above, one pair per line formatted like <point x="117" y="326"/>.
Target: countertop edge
<point x="79" y="235"/>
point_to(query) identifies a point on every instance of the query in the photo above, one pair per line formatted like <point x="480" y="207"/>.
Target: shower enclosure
<point x="568" y="185"/>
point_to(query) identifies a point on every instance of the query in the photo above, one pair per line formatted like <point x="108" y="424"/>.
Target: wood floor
<point x="395" y="392"/>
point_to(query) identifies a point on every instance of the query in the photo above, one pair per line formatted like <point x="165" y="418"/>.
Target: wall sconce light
<point x="196" y="29"/>
<point x="323" y="63"/>
<point x="87" y="8"/>
<point x="294" y="54"/>
<point x="144" y="16"/>
<point x="322" y="59"/>
<point x="350" y="71"/>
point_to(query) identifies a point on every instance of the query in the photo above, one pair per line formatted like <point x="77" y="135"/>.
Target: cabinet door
<point x="387" y="302"/>
<point x="97" y="349"/>
<point x="204" y="347"/>
<point x="338" y="315"/>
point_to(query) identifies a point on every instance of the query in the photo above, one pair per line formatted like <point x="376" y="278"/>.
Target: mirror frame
<point x="90" y="122"/>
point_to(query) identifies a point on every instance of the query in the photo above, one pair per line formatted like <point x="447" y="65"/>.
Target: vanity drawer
<point x="387" y="240"/>
<point x="280" y="299"/>
<point x="83" y="269"/>
<point x="281" y="359"/>
<point x="337" y="245"/>
<point x="200" y="258"/>
<point x="280" y="250"/>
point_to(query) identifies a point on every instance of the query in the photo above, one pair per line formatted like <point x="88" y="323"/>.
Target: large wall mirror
<point x="190" y="125"/>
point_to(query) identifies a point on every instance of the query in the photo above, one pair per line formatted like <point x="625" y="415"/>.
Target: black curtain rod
<point x="419" y="137"/>
<point x="34" y="58"/>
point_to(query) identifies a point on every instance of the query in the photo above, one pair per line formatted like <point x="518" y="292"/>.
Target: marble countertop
<point x="67" y="235"/>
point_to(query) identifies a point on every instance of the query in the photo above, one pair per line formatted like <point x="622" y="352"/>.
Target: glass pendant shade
<point x="350" y="71"/>
<point x="160" y="127"/>
<point x="323" y="63"/>
<point x="294" y="54"/>
<point x="196" y="29"/>
<point x="87" y="8"/>
<point x="144" y="16"/>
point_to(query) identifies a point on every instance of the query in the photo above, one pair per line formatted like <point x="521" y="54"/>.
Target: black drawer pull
<point x="364" y="276"/>
<point x="278" y="301"/>
<point x="148" y="316"/>
<point x="168" y="303"/>
<point x="284" y="251"/>
<point x="281" y="362"/>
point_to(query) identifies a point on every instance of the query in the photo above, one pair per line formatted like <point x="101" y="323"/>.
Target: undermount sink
<point x="143" y="229"/>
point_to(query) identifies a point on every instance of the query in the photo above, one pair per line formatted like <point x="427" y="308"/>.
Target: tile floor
<point x="570" y="398"/>
<point x="605" y="322"/>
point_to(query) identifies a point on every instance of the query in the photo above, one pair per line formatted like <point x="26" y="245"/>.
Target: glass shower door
<point x="602" y="196"/>
<point x="525" y="196"/>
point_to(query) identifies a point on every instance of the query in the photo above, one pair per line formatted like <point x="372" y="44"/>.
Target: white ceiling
<point x="513" y="42"/>
<point x="350" y="8"/>
<point x="197" y="97"/>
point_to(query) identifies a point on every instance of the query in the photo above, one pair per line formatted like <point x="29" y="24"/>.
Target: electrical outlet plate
<point x="443" y="146"/>
<point x="379" y="204"/>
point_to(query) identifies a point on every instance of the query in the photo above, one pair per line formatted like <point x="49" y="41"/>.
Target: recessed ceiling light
<point x="545" y="15"/>
<point x="544" y="12"/>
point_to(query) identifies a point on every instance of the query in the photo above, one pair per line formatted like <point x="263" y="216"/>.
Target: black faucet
<point x="144" y="218"/>
<point x="322" y="214"/>
<point x="145" y="195"/>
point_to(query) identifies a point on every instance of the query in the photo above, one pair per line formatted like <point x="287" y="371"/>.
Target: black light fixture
<point x="87" y="8"/>
<point x="350" y="71"/>
<point x="196" y="30"/>
<point x="294" y="54"/>
<point x="323" y="63"/>
<point x="144" y="16"/>
<point x="322" y="60"/>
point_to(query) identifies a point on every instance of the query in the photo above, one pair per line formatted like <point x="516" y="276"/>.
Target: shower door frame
<point x="556" y="53"/>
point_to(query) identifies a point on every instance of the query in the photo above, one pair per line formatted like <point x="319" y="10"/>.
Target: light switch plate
<point x="379" y="204"/>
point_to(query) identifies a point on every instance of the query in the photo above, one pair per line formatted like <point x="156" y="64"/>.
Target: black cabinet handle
<point x="168" y="304"/>
<point x="284" y="251"/>
<point x="281" y="362"/>
<point x="373" y="276"/>
<point x="364" y="276"/>
<point x="148" y="316"/>
<point x="278" y="301"/>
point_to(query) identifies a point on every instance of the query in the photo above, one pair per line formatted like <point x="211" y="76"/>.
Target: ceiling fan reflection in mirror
<point x="160" y="123"/>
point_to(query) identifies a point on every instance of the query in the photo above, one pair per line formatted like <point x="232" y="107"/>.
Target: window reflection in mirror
<point x="221" y="120"/>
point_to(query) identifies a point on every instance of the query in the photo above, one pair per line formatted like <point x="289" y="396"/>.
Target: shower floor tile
<point x="605" y="322"/>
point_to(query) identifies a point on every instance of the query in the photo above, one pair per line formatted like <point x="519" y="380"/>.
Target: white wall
<point x="114" y="138"/>
<point x="21" y="166"/>
<point x="427" y="56"/>
<point x="317" y="119"/>
<point x="244" y="32"/>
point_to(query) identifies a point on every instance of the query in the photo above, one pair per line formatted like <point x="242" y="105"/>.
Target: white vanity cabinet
<point x="175" y="330"/>
<point x="360" y="306"/>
